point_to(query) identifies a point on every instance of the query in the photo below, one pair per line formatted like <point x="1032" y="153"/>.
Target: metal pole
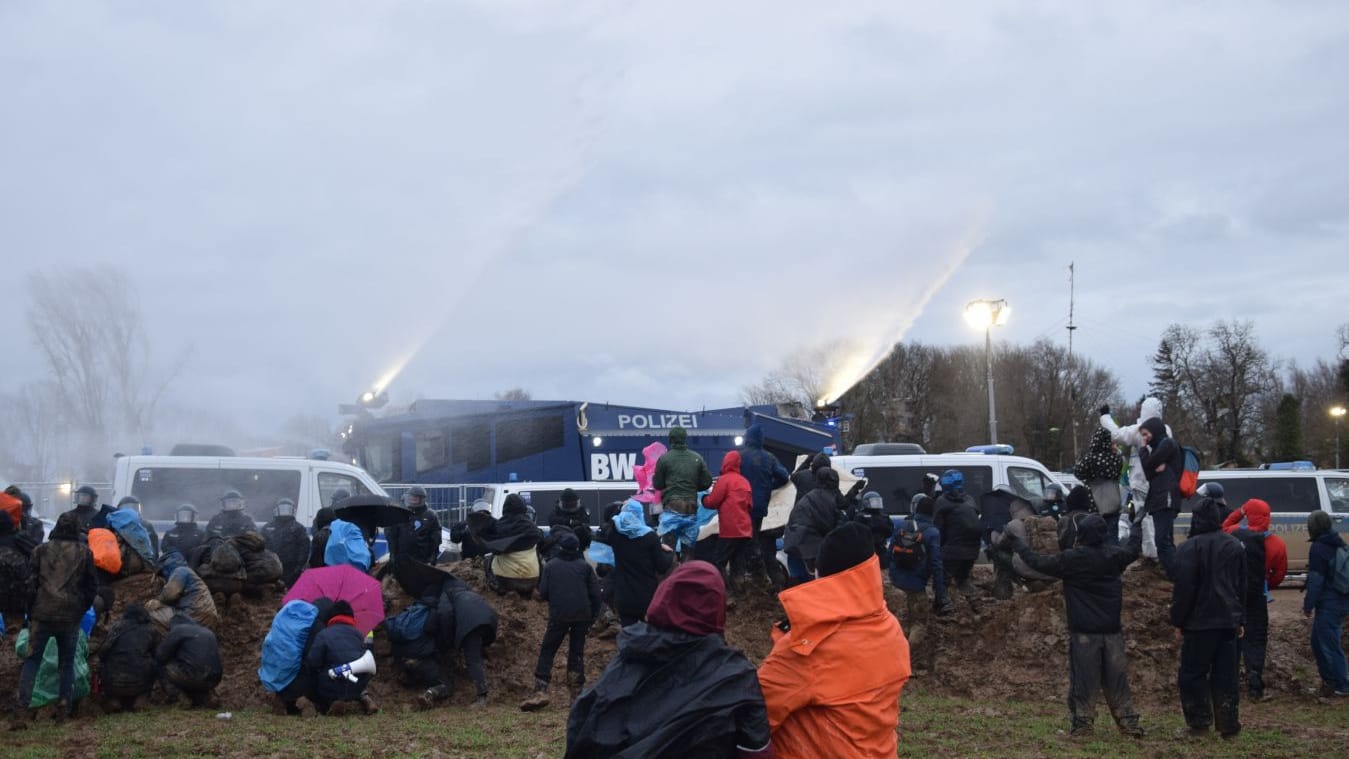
<point x="1337" y="442"/>
<point x="992" y="408"/>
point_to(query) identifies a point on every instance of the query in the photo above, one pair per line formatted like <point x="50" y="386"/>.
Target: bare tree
<point x="801" y="378"/>
<point x="513" y="394"/>
<point x="32" y="420"/>
<point x="88" y="327"/>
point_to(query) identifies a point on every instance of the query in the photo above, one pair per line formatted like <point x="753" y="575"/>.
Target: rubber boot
<point x="1130" y="727"/>
<point x="575" y="684"/>
<point x="480" y="702"/>
<point x="537" y="700"/>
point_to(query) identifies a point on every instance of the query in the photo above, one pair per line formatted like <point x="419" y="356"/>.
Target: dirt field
<point x="991" y="680"/>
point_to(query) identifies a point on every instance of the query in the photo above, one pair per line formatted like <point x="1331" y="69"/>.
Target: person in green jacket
<point x="680" y="474"/>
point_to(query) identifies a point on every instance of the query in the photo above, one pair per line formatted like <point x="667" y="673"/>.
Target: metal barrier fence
<point x="51" y="499"/>
<point x="449" y="502"/>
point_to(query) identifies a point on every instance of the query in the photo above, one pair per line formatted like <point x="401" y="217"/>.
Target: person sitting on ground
<point x="839" y="660"/>
<point x="732" y="499"/>
<point x="640" y="559"/>
<point x="189" y="662"/>
<point x="186" y="534"/>
<point x="262" y="567"/>
<point x="572" y="591"/>
<point x="1266" y="565"/>
<point x="133" y="504"/>
<point x="338" y="643"/>
<point x="675" y="688"/>
<point x="288" y="539"/>
<point x="321" y="531"/>
<point x="512" y="540"/>
<point x="475" y="628"/>
<point x="128" y="668"/>
<point x="1094" y="596"/>
<point x="1329" y="601"/>
<point x="811" y="518"/>
<point x="569" y="513"/>
<point x="66" y="585"/>
<point x="471" y="532"/>
<point x="1208" y="606"/>
<point x="183" y="592"/>
<point x="231" y="520"/>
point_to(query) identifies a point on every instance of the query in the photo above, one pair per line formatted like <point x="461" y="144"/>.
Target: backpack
<point x="408" y="625"/>
<point x="1339" y="574"/>
<point x="107" y="553"/>
<point x="346" y="545"/>
<point x="283" y="648"/>
<point x="907" y="549"/>
<point x="16" y="584"/>
<point x="1189" y="473"/>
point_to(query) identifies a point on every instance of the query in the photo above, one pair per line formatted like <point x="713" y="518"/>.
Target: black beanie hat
<point x="844" y="548"/>
<point x="1079" y="499"/>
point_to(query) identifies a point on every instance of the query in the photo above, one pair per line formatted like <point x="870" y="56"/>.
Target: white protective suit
<point x="1138" y="481"/>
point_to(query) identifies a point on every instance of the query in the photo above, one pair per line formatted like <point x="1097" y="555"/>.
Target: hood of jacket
<point x="324" y="517"/>
<point x="631" y="520"/>
<point x="754" y="437"/>
<point x="1091" y="530"/>
<point x="171" y="561"/>
<point x="826" y="478"/>
<point x="67" y="527"/>
<point x="679" y="438"/>
<point x="692" y="600"/>
<point x="514" y="506"/>
<point x="820" y="461"/>
<point x="817" y="608"/>
<point x="1150" y="408"/>
<point x="1207" y="517"/>
<point x="135" y="614"/>
<point x="730" y="463"/>
<point x="1156" y="428"/>
<point x="646" y="642"/>
<point x="1257" y="515"/>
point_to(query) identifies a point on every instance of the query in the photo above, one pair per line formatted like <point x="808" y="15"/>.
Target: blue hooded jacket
<point x="763" y="470"/>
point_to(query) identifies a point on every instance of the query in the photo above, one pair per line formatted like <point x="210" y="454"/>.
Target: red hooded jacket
<point x="733" y="498"/>
<point x="1256" y="513"/>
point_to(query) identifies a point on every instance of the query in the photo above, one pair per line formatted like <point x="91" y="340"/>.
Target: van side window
<point x="330" y="482"/>
<point x="161" y="489"/>
<point x="1027" y="483"/>
<point x="1288" y="495"/>
<point x="1339" y="494"/>
<point x="898" y="484"/>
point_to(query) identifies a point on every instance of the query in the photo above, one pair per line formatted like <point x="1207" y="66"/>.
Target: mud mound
<point x="988" y="649"/>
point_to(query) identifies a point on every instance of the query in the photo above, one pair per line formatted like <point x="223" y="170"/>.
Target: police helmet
<point x="285" y="507"/>
<point x="86" y="496"/>
<point x="339" y="495"/>
<point x="186" y="513"/>
<point x="953" y="479"/>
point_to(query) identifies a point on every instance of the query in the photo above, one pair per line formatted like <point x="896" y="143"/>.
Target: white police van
<point x="898" y="478"/>
<point x="161" y="483"/>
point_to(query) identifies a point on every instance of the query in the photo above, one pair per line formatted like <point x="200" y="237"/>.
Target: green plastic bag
<point x="47" y="686"/>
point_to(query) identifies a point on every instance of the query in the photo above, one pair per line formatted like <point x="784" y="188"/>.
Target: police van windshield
<point x="162" y="489"/>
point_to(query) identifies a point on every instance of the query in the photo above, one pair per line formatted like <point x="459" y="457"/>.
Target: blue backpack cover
<point x="407" y="625"/>
<point x="127" y="524"/>
<point x="283" y="648"/>
<point x="346" y="545"/>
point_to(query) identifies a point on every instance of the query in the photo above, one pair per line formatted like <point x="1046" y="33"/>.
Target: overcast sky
<point x="655" y="203"/>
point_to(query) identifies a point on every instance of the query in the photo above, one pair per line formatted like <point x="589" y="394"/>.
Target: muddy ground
<point x="988" y="650"/>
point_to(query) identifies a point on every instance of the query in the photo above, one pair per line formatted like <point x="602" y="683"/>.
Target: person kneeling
<point x="189" y="661"/>
<point x="127" y="658"/>
<point x="336" y="647"/>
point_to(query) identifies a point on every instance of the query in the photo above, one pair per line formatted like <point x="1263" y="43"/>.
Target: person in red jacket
<point x="732" y="498"/>
<point x="1266" y="564"/>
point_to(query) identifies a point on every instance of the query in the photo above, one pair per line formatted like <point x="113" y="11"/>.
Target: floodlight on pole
<point x="1337" y="413"/>
<point x="985" y="314"/>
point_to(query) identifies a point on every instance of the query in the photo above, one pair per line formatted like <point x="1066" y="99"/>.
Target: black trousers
<point x="767" y="548"/>
<point x="957" y="570"/>
<point x="1253" y="645"/>
<point x="423" y="673"/>
<point x="576" y="650"/>
<point x="731" y="553"/>
<point x="472" y="647"/>
<point x="1209" y="694"/>
<point x="1097" y="662"/>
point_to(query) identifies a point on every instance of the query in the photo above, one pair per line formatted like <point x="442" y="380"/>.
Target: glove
<point x="1104" y="410"/>
<point x="855" y="489"/>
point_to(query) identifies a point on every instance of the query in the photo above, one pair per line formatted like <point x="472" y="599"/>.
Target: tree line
<point x="1222" y="391"/>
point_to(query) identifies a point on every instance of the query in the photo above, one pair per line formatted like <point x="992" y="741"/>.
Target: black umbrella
<point x="370" y="512"/>
<point x="418" y="579"/>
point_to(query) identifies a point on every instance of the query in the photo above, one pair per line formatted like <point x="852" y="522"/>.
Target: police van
<point x="161" y="483"/>
<point x="898" y="478"/>
<point x="1292" y="492"/>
